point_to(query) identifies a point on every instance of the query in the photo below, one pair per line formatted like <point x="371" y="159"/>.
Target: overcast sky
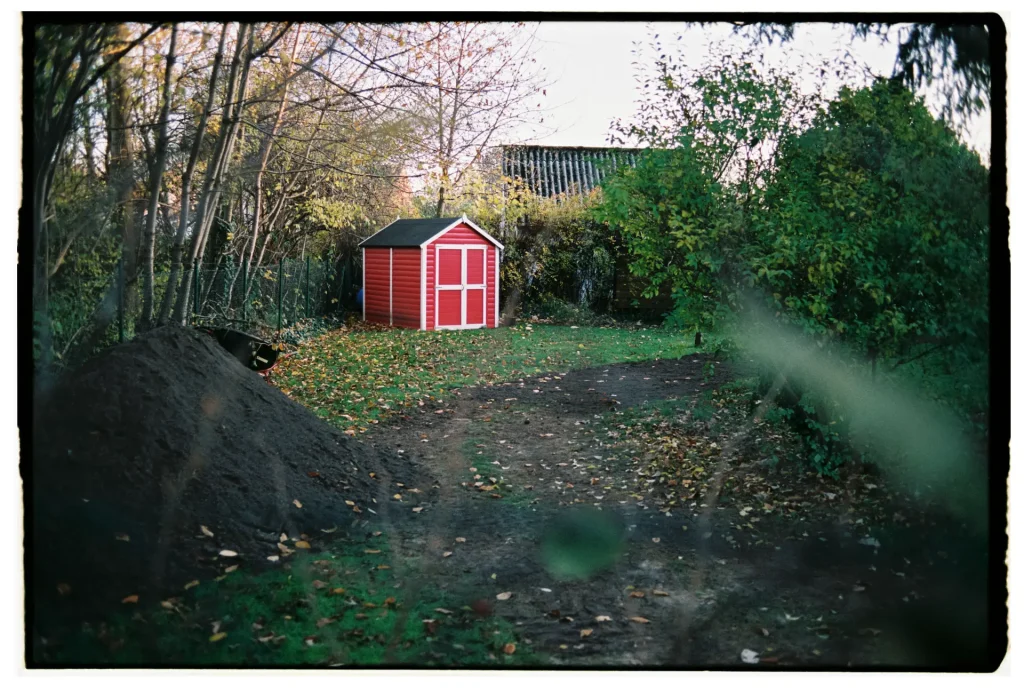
<point x="591" y="75"/>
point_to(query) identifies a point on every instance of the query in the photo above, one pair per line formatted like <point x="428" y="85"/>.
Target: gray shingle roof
<point x="408" y="232"/>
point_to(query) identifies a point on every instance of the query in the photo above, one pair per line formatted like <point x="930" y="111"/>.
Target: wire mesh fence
<point x="270" y="298"/>
<point x="224" y="293"/>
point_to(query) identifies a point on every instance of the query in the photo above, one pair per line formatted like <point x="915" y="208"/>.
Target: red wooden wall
<point x="405" y="296"/>
<point x="376" y="288"/>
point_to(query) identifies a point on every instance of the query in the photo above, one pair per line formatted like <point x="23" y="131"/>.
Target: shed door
<point x="461" y="286"/>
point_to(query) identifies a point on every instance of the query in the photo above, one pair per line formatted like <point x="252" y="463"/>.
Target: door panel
<point x="475" y="266"/>
<point x="449" y="267"/>
<point x="474" y="306"/>
<point x="449" y="308"/>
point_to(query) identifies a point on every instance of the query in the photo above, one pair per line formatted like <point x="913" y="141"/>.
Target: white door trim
<point x="438" y="287"/>
<point x="423" y="288"/>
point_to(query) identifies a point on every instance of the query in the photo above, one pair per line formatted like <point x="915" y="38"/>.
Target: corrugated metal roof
<point x="550" y="171"/>
<point x="408" y="232"/>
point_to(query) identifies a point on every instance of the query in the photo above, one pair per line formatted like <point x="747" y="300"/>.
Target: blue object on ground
<point x="359" y="298"/>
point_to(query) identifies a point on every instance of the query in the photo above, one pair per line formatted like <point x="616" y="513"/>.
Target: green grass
<point x="369" y="623"/>
<point x="356" y="377"/>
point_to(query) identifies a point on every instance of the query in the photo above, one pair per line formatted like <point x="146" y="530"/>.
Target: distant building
<point x="550" y="171"/>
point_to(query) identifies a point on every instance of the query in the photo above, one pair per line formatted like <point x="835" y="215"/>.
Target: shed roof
<point x="418" y="232"/>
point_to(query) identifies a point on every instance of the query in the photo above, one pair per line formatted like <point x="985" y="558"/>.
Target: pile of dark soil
<point x="156" y="456"/>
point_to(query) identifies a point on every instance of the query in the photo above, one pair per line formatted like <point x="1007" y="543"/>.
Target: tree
<point x="156" y="182"/>
<point x="710" y="136"/>
<point x="955" y="55"/>
<point x="477" y="82"/>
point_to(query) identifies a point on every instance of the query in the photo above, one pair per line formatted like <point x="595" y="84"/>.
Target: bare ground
<point x="809" y="588"/>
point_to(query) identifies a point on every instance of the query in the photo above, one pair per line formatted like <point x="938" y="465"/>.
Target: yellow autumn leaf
<point x="297" y="504"/>
<point x="217" y="637"/>
<point x="302" y="544"/>
<point x="134" y="598"/>
<point x="192" y="584"/>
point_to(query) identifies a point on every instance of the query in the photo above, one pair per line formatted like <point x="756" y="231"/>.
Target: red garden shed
<point x="431" y="274"/>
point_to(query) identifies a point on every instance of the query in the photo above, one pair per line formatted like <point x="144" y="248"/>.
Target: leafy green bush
<point x="863" y="223"/>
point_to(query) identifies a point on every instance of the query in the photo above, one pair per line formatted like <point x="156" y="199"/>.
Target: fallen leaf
<point x="317" y="584"/>
<point x="323" y="622"/>
<point x="377" y="533"/>
<point x="228" y="553"/>
<point x="273" y="558"/>
<point x="302" y="545"/>
<point x="637" y="618"/>
<point x="297" y="504"/>
<point x="130" y="599"/>
<point x="586" y="633"/>
<point x="330" y="530"/>
<point x="372" y="551"/>
<point x="166" y="605"/>
<point x="230" y="568"/>
<point x="602" y="618"/>
<point x="443" y="611"/>
<point x="660" y="593"/>
<point x="206" y="531"/>
<point x="383" y="566"/>
<point x="748" y="656"/>
<point x="447" y="553"/>
<point x="460" y="539"/>
<point x="217" y="637"/>
<point x="504" y="596"/>
<point x="417" y="509"/>
<point x="636" y="594"/>
<point x="283" y="538"/>
<point x="191" y="584"/>
<point x="397" y="496"/>
<point x="338" y="591"/>
<point x="350" y="503"/>
<point x="509" y="649"/>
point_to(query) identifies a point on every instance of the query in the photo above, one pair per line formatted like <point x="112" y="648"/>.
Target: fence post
<point x="195" y="294"/>
<point x="307" y="287"/>
<point x="120" y="300"/>
<point x="245" y="288"/>
<point x="280" y="291"/>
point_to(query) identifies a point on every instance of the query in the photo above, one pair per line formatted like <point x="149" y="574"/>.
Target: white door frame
<point x="461" y="287"/>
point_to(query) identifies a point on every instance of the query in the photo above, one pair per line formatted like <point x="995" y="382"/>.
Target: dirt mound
<point x="142" y="446"/>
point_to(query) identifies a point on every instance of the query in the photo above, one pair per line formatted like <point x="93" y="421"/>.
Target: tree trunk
<point x="155" y="183"/>
<point x="186" y="185"/>
<point x="207" y="200"/>
<point x="265" y="156"/>
<point x="121" y="150"/>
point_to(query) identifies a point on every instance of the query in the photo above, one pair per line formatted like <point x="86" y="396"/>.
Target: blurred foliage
<point x="581" y="542"/>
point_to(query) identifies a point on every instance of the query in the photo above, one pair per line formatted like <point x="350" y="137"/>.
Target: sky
<point x="589" y="66"/>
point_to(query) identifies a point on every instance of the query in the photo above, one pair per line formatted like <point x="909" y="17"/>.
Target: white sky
<point x="590" y="71"/>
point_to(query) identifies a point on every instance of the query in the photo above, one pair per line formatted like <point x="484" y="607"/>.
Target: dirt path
<point x="514" y="460"/>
